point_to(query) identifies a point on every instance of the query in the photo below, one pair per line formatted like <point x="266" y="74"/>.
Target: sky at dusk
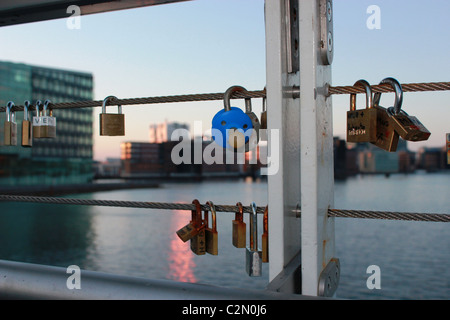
<point x="206" y="46"/>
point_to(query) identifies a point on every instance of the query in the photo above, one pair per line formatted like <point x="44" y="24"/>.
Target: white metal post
<point x="283" y="114"/>
<point x="317" y="176"/>
<point x="305" y="176"/>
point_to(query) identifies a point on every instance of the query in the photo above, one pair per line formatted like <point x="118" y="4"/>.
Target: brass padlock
<point x="27" y="130"/>
<point x="362" y="124"/>
<point x="211" y="234"/>
<point x="37" y="120"/>
<point x="187" y="232"/>
<point x="265" y="236"/>
<point x="190" y="230"/>
<point x="253" y="254"/>
<point x="47" y="122"/>
<point x="239" y="228"/>
<point x="198" y="242"/>
<point x="387" y="137"/>
<point x="10" y="128"/>
<point x="112" y="124"/>
<point x="408" y="127"/>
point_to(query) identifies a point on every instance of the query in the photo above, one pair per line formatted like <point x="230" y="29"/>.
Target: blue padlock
<point x="231" y="127"/>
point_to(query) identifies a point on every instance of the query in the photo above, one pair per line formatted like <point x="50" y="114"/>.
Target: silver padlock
<point x="48" y="122"/>
<point x="37" y="120"/>
<point x="253" y="261"/>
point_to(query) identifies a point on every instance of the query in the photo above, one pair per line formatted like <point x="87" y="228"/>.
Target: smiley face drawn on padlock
<point x="232" y="128"/>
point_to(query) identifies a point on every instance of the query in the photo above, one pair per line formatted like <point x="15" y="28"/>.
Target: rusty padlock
<point x="198" y="242"/>
<point x="192" y="228"/>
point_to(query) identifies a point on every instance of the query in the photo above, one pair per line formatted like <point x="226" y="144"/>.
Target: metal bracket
<point x="329" y="278"/>
<point x="326" y="31"/>
<point x="288" y="280"/>
<point x="292" y="34"/>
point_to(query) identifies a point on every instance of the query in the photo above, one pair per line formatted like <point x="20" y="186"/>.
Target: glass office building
<point x="66" y="159"/>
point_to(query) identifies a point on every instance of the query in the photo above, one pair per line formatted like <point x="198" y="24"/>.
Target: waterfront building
<point x="162" y="132"/>
<point x="432" y="159"/>
<point x="110" y="168"/>
<point x="66" y="159"/>
<point x="372" y="159"/>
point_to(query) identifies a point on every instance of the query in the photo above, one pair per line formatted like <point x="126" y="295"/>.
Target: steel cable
<point x="387" y="215"/>
<point x="407" y="216"/>
<point x="407" y="87"/>
<point x="127" y="204"/>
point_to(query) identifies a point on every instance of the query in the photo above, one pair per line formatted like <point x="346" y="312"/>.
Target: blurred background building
<point x="153" y="159"/>
<point x="68" y="158"/>
<point x="162" y="132"/>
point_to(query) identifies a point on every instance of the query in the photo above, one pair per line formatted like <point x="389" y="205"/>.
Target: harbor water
<point x="412" y="257"/>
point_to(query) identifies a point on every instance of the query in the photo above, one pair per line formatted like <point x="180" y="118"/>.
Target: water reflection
<point x="413" y="256"/>
<point x="45" y="234"/>
<point x="180" y="257"/>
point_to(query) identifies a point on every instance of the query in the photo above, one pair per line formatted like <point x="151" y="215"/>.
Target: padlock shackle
<point x="266" y="220"/>
<point x="26" y="106"/>
<point x="196" y="214"/>
<point x="9" y="110"/>
<point x="46" y="106"/>
<point x="248" y="105"/>
<point x="264" y="100"/>
<point x="239" y="216"/>
<point x="253" y="228"/>
<point x="213" y="215"/>
<point x="13" y="115"/>
<point x="366" y="85"/>
<point x="108" y="99"/>
<point x="38" y="107"/>
<point x="391" y="112"/>
<point x="398" y="94"/>
<point x="227" y="98"/>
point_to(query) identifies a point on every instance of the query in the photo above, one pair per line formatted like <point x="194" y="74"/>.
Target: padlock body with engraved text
<point x="362" y="123"/>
